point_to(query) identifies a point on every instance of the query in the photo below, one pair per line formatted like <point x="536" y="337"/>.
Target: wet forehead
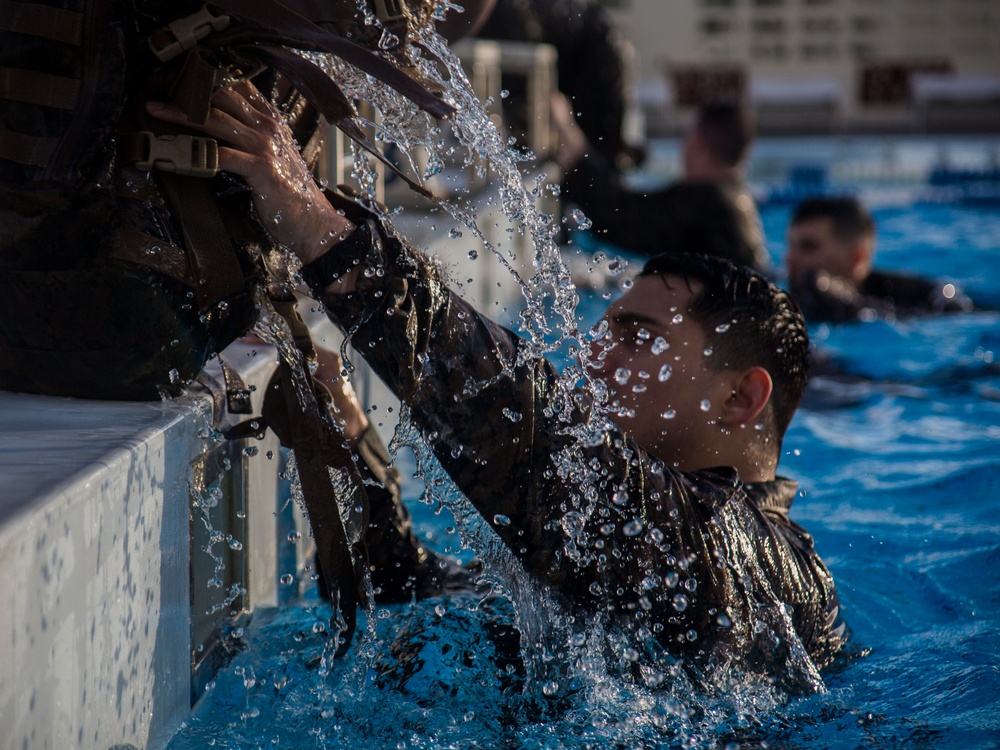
<point x="656" y="299"/>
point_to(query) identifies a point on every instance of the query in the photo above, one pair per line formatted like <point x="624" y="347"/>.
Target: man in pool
<point x="668" y="520"/>
<point x="831" y="246"/>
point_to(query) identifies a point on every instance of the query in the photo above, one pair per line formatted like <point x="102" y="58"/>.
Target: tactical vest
<point x="126" y="259"/>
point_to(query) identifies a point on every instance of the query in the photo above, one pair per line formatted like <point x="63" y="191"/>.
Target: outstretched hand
<point x="260" y="148"/>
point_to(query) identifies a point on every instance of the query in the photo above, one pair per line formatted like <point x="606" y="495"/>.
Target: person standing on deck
<point x="711" y="197"/>
<point x="681" y="533"/>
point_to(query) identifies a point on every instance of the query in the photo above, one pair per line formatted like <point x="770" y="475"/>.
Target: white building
<point x="821" y="64"/>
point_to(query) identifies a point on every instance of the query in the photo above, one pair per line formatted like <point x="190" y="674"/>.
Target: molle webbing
<point x="45" y="21"/>
<point x="43" y="89"/>
<point x="86" y="87"/>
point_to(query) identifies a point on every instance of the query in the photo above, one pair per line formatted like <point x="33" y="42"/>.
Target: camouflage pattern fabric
<point x="696" y="565"/>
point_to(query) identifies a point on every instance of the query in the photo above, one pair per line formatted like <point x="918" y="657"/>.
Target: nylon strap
<point x="319" y="448"/>
<point x="295" y="30"/>
<point x="32" y="87"/>
<point x="30" y="150"/>
<point x="44" y="21"/>
<point x="210" y="252"/>
<point x="152" y="252"/>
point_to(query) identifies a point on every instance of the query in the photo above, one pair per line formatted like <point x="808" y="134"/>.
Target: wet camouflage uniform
<point x="824" y="298"/>
<point x="717" y="574"/>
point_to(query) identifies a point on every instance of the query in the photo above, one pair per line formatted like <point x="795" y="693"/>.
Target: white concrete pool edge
<point x="95" y="628"/>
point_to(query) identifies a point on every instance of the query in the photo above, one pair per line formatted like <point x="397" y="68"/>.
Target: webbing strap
<point x="295" y="30"/>
<point x="320" y="450"/>
<point x="30" y="150"/>
<point x="32" y="87"/>
<point x="44" y="21"/>
<point x="211" y="253"/>
<point x="152" y="252"/>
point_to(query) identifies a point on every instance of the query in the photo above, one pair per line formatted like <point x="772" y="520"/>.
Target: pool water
<point x="899" y="465"/>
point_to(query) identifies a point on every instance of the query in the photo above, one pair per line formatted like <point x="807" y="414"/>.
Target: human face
<point x="813" y="245"/>
<point x="654" y="364"/>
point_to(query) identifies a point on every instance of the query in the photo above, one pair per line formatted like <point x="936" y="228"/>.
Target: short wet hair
<point x="728" y="129"/>
<point x="748" y="322"/>
<point x="850" y="219"/>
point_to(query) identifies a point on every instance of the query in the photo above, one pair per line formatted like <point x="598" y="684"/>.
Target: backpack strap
<point x="332" y="487"/>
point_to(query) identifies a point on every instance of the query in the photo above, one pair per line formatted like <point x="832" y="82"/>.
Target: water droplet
<point x="723" y="621"/>
<point x="501" y="520"/>
<point x="665" y="372"/>
<point x="608" y="529"/>
<point x="677" y="318"/>
<point x="692" y="635"/>
<point x="680" y="602"/>
<point x="513" y="416"/>
<point x="580" y="218"/>
<point x="660" y="345"/>
<point x="319" y="627"/>
<point x="504" y="93"/>
<point x="250" y="451"/>
<point x="671" y="579"/>
<point x="235" y="544"/>
<point x="473" y="254"/>
<point x="175" y="377"/>
<point x="633" y="527"/>
<point x="455" y="233"/>
<point x="669" y="414"/>
<point x="631" y="654"/>
<point x="722" y="328"/>
<point x="287" y="579"/>
<point x="595" y="588"/>
<point x="550" y="688"/>
<point x="705" y="404"/>
<point x="622" y="374"/>
<point x="707" y="352"/>
<point x="294" y="536"/>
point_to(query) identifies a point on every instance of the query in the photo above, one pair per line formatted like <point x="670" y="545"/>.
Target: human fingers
<point x="260" y="103"/>
<point x="220" y="124"/>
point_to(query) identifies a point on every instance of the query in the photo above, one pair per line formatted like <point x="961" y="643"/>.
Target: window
<point x="768" y="26"/>
<point x="716" y="26"/>
<point x="820" y="25"/>
<point x="816" y="51"/>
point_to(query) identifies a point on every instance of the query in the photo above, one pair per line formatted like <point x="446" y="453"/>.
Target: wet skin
<point x="666" y="417"/>
<point x="812" y="244"/>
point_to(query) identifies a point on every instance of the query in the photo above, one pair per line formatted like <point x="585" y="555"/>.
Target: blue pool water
<point x="899" y="465"/>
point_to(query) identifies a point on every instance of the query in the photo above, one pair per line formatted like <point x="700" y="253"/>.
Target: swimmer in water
<point x="672" y="522"/>
<point x="831" y="247"/>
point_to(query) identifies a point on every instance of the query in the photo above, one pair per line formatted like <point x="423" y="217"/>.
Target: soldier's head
<point x="705" y="364"/>
<point x="719" y="142"/>
<point x="832" y="234"/>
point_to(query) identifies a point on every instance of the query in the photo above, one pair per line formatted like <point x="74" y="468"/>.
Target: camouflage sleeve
<point x="597" y="519"/>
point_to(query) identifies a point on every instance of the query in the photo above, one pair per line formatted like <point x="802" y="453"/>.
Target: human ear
<point x="751" y="390"/>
